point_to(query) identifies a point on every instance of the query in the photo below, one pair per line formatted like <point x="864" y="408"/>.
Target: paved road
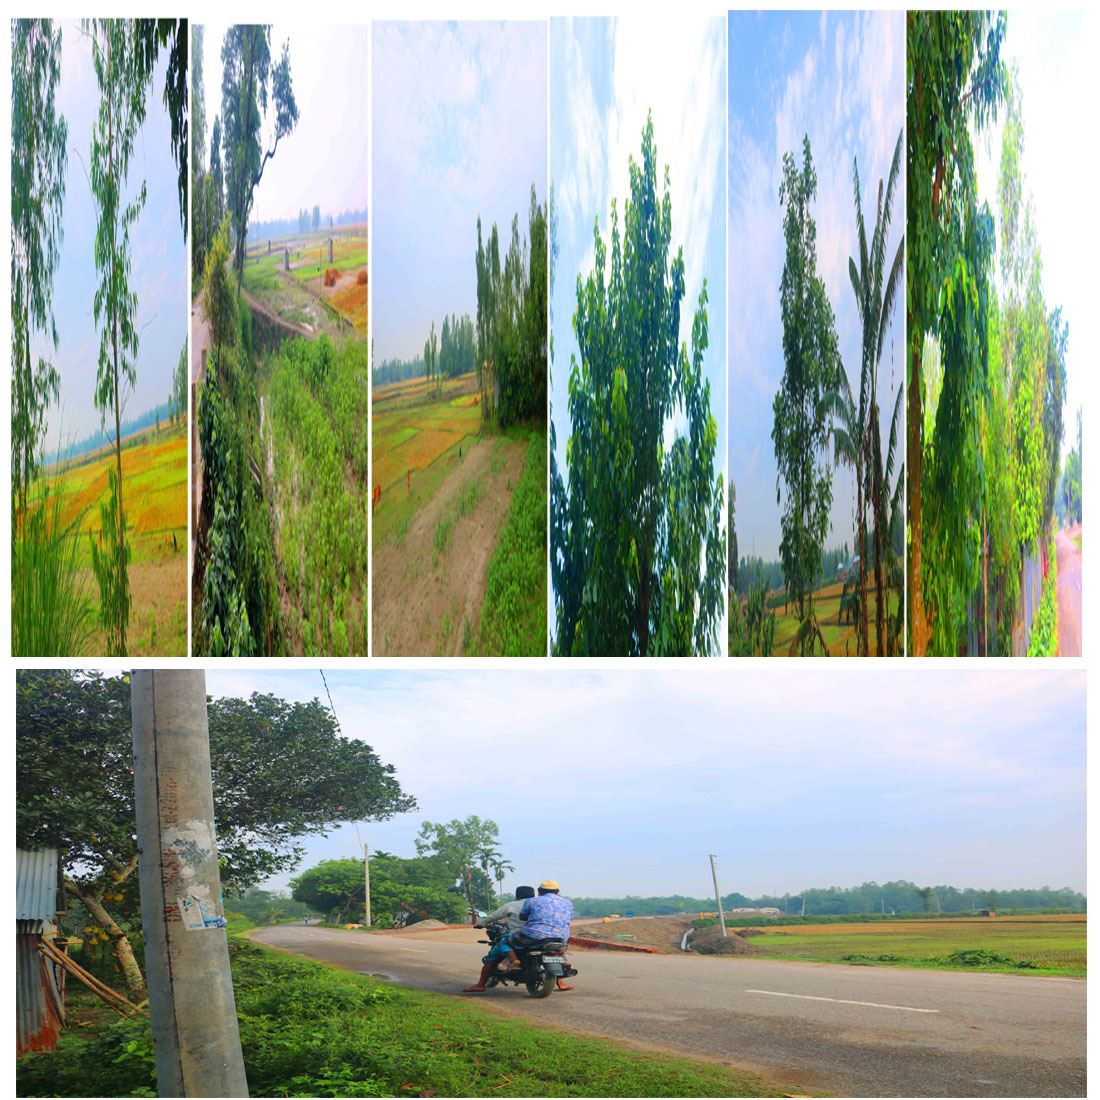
<point x="857" y="1031"/>
<point x="1069" y="596"/>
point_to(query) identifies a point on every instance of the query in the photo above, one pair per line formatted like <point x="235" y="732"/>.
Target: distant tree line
<point x="287" y="227"/>
<point x="870" y="897"/>
<point x="398" y="370"/>
<point x="511" y="320"/>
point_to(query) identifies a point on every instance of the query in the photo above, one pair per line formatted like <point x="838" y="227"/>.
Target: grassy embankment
<point x="513" y="617"/>
<point x="309" y="1030"/>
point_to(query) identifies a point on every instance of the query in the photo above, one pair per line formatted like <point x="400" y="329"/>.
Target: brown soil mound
<point x="710" y="941"/>
<point x="664" y="933"/>
<point x="331" y="275"/>
<point x="362" y="278"/>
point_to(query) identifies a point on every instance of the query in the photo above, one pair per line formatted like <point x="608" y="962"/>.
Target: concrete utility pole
<point x="366" y="880"/>
<point x="718" y="897"/>
<point x="194" y="1020"/>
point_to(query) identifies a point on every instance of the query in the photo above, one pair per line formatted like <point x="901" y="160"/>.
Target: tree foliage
<point x="955" y="83"/>
<point x="121" y="62"/>
<point x="281" y="771"/>
<point x="38" y="159"/>
<point x="637" y="553"/>
<point x="251" y="85"/>
<point x="511" y="320"/>
<point x="811" y="369"/>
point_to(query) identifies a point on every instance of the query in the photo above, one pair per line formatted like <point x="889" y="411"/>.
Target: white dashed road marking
<point x="841" y="1001"/>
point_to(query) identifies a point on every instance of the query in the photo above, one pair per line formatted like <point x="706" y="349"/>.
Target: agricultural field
<point x="839" y="635"/>
<point x="303" y="297"/>
<point x="1046" y="944"/>
<point x="459" y="558"/>
<point x="154" y="479"/>
<point x="314" y="426"/>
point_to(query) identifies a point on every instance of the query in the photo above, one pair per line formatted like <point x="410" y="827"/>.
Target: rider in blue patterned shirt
<point x="547" y="916"/>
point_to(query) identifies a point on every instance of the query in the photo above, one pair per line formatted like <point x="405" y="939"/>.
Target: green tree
<point x="315" y="220"/>
<point x="251" y="84"/>
<point x="38" y="159"/>
<point x="731" y="535"/>
<point x="219" y="301"/>
<point x="281" y="772"/>
<point x="954" y="85"/>
<point x="876" y="282"/>
<point x="811" y="369"/>
<point x="333" y="887"/>
<point x="151" y="36"/>
<point x="118" y="59"/>
<point x="636" y="541"/>
<point x="458" y="846"/>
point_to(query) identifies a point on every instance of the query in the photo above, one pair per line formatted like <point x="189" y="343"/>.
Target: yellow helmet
<point x="549" y="884"/>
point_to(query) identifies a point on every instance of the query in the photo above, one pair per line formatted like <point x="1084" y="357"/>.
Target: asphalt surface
<point x="1069" y="596"/>
<point x="848" y="1030"/>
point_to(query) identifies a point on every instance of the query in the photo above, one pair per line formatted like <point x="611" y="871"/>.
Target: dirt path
<point x="423" y="596"/>
<point x="295" y="329"/>
<point x="1069" y="594"/>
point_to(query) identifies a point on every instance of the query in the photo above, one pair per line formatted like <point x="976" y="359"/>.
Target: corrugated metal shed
<point x="38" y="1007"/>
<point x="35" y="884"/>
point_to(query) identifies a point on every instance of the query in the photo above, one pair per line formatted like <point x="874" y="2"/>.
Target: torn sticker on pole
<point x="198" y="912"/>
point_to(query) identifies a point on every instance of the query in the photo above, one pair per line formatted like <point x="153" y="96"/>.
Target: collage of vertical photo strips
<point x="383" y="382"/>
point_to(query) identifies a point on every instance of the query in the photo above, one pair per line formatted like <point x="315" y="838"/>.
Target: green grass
<point x="1052" y="947"/>
<point x="513" y="617"/>
<point x="1044" y="635"/>
<point x="310" y="1030"/>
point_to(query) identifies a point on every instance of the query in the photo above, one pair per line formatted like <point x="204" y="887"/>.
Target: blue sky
<point x="605" y="76"/>
<point x="1054" y="59"/>
<point x="459" y="114"/>
<point x="840" y="77"/>
<point x="965" y="777"/>
<point x="159" y="256"/>
<point x="325" y="160"/>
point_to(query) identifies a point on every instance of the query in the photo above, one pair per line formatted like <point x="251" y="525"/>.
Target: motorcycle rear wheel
<point x="542" y="985"/>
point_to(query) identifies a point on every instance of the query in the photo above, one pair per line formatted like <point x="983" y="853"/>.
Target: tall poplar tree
<point x="811" y="370"/>
<point x="38" y="160"/>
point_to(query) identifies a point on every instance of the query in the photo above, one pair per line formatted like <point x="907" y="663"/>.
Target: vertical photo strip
<point x="996" y="305"/>
<point x="816" y="334"/>
<point x="99" y="221"/>
<point x="637" y="320"/>
<point x="280" y="356"/>
<point x="458" y="413"/>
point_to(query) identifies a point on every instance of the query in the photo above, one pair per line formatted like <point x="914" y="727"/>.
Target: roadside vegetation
<point x="987" y="354"/>
<point x="309" y="1030"/>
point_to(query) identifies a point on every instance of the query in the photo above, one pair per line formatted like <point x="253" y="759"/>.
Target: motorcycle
<point x="541" y="964"/>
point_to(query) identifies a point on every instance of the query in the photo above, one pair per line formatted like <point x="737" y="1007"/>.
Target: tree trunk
<point x="879" y="507"/>
<point x="918" y="625"/>
<point x="120" y="945"/>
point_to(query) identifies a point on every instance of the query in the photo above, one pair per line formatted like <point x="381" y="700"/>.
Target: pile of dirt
<point x="331" y="275"/>
<point x="664" y="933"/>
<point x="424" y="925"/>
<point x="361" y="279"/>
<point x="710" y="941"/>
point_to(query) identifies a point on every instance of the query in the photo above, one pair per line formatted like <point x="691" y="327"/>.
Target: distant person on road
<point x="547" y="917"/>
<point x="509" y="914"/>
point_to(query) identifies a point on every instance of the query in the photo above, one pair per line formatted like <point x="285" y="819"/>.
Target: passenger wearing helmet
<point x="547" y="917"/>
<point x="508" y="913"/>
